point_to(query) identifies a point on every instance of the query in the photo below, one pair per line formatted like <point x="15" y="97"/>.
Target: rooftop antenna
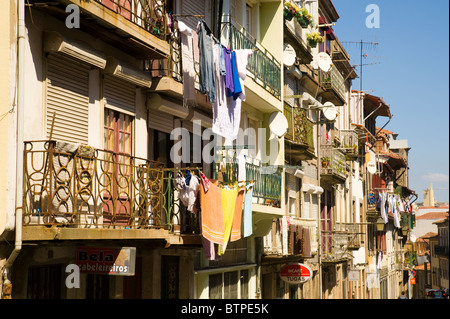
<point x="362" y="44"/>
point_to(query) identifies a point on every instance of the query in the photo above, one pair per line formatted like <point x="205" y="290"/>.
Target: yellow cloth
<point x="228" y="206"/>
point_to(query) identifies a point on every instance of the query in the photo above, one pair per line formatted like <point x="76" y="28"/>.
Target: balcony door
<point x="117" y="168"/>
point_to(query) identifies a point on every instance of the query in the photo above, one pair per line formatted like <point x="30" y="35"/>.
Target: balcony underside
<point x="44" y="233"/>
<point x="298" y="151"/>
<point x="331" y="177"/>
<point x="331" y="96"/>
<point x="112" y="28"/>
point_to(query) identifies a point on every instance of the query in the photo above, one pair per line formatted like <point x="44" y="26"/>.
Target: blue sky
<point x="412" y="77"/>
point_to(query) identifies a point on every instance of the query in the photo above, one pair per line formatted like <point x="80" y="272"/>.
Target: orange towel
<point x="237" y="219"/>
<point x="212" y="219"/>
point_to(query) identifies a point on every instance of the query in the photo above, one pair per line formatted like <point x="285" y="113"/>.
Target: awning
<point x="376" y="105"/>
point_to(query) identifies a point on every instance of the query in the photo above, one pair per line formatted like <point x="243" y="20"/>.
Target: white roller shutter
<point x="160" y="121"/>
<point x="306" y="205"/>
<point x="67" y="94"/>
<point x="193" y="7"/>
<point x="314" y="206"/>
<point x="119" y="95"/>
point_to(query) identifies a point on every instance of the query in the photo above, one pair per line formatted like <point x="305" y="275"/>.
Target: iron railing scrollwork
<point x="78" y="186"/>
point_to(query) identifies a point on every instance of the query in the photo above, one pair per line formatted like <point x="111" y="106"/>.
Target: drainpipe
<point x="19" y="150"/>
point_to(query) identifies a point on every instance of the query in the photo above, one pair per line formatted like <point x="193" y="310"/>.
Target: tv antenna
<point x="363" y="44"/>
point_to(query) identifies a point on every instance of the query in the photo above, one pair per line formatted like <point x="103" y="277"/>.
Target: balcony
<point x="266" y="179"/>
<point x="138" y="27"/>
<point x="334" y="83"/>
<point x="265" y="69"/>
<point x="300" y="241"/>
<point x="299" y="138"/>
<point x="354" y="232"/>
<point x="333" y="169"/>
<point x="334" y="247"/>
<point x="349" y="143"/>
<point x="78" y="192"/>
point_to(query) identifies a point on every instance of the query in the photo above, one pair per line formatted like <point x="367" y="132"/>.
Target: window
<point x="229" y="285"/>
<point x="381" y="241"/>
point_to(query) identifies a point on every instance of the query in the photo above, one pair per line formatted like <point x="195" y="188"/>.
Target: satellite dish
<point x="324" y="61"/>
<point x="289" y="55"/>
<point x="330" y="111"/>
<point x="278" y="124"/>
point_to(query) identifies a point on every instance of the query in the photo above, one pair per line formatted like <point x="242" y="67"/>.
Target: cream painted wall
<point x="5" y="105"/>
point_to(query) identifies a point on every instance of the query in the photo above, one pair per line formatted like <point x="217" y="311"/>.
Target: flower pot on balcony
<point x="312" y="43"/>
<point x="288" y="15"/>
<point x="325" y="164"/>
<point x="302" y="21"/>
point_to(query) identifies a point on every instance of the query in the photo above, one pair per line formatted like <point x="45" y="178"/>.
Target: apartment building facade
<point x="100" y="173"/>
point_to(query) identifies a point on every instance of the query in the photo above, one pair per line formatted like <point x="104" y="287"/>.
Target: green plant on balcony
<point x="325" y="161"/>
<point x="304" y="18"/>
<point x="314" y="38"/>
<point x="290" y="10"/>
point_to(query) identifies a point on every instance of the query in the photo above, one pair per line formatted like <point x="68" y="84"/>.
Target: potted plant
<point x="304" y="18"/>
<point x="314" y="38"/>
<point x="325" y="161"/>
<point x="290" y="10"/>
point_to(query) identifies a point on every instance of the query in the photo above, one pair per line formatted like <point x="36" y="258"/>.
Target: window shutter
<point x="306" y="205"/>
<point x="119" y="95"/>
<point x="67" y="94"/>
<point x="193" y="7"/>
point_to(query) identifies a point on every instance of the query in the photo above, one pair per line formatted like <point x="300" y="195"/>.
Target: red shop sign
<point x="296" y="273"/>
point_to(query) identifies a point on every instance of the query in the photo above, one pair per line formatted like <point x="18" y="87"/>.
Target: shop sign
<point x="106" y="260"/>
<point x="296" y="273"/>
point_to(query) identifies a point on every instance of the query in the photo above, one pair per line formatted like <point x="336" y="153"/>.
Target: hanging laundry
<point x="241" y="64"/>
<point x="237" y="219"/>
<point x="228" y="73"/>
<point x="228" y="205"/>
<point x="380" y="258"/>
<point x="206" y="68"/>
<point x="248" y="228"/>
<point x="227" y="110"/>
<point x="382" y="197"/>
<point x="234" y="72"/>
<point x="212" y="221"/>
<point x="222" y="68"/>
<point x="188" y="190"/>
<point x="395" y="212"/>
<point x="205" y="181"/>
<point x="187" y="61"/>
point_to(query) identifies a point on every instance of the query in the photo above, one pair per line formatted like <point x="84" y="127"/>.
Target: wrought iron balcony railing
<point x="150" y="15"/>
<point x="332" y="162"/>
<point x="333" y="80"/>
<point x="77" y="186"/>
<point x="265" y="68"/>
<point x="266" y="179"/>
<point x="300" y="128"/>
<point x="263" y="65"/>
<point x="354" y="232"/>
<point x="334" y="246"/>
<point x="349" y="143"/>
